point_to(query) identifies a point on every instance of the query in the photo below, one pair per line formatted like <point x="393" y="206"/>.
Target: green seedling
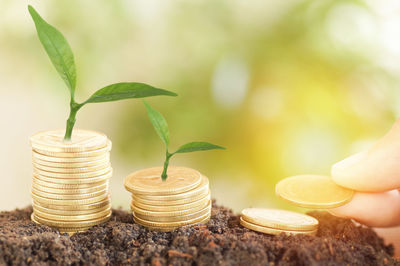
<point x="161" y="127"/>
<point x="61" y="56"/>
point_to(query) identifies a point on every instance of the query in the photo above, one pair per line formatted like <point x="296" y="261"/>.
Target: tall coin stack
<point x="183" y="199"/>
<point x="70" y="180"/>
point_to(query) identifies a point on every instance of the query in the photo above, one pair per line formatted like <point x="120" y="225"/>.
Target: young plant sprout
<point x="61" y="56"/>
<point x="161" y="127"/>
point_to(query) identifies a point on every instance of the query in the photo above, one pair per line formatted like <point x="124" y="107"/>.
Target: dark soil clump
<point x="222" y="242"/>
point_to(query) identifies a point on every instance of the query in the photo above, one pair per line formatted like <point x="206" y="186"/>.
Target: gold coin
<point x="273" y="231"/>
<point x="179" y="207"/>
<point x="72" y="175"/>
<point x="170" y="224"/>
<point x="89" y="163"/>
<point x="63" y="186"/>
<point x="313" y="191"/>
<point x="143" y="212"/>
<point x="74" y="224"/>
<point x="64" y="191"/>
<point x="148" y="181"/>
<point x="62" y="202"/>
<point x="138" y="198"/>
<point x="92" y="153"/>
<point x="70" y="218"/>
<point x="169" y="229"/>
<point x="81" y="140"/>
<point x="76" y="207"/>
<point x="104" y="156"/>
<point x="68" y="196"/>
<point x="201" y="189"/>
<point x="279" y="219"/>
<point x="75" y="181"/>
<point x="69" y="212"/>
<point x="75" y="170"/>
<point x="177" y="218"/>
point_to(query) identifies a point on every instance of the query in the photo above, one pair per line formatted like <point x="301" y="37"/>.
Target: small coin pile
<point x="313" y="191"/>
<point x="70" y="180"/>
<point x="275" y="222"/>
<point x="183" y="199"/>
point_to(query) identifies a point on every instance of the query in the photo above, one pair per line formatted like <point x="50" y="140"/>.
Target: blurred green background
<point x="289" y="87"/>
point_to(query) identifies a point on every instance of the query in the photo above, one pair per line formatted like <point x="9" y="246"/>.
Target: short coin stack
<point x="70" y="180"/>
<point x="183" y="199"/>
<point x="275" y="222"/>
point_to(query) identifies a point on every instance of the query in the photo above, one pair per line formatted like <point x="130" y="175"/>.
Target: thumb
<point x="374" y="170"/>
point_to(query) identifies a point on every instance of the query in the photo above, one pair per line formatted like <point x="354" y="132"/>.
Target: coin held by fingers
<point x="313" y="191"/>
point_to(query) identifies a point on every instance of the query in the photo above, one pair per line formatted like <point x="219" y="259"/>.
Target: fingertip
<point x="354" y="172"/>
<point x="344" y="173"/>
<point x="366" y="172"/>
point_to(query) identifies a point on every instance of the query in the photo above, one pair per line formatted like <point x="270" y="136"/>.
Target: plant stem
<point x="166" y="163"/>
<point x="74" y="107"/>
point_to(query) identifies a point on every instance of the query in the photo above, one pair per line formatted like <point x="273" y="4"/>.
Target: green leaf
<point x="198" y="146"/>
<point x="57" y="48"/>
<point x="159" y="123"/>
<point x="126" y="90"/>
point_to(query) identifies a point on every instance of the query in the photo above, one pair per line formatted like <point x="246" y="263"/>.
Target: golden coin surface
<point x="69" y="212"/>
<point x="279" y="219"/>
<point x="81" y="140"/>
<point x="75" y="181"/>
<point x="70" y="218"/>
<point x="170" y="224"/>
<point x="92" y="153"/>
<point x="138" y="210"/>
<point x="273" y="231"/>
<point x="80" y="207"/>
<point x="51" y="184"/>
<point x="148" y="181"/>
<point x="170" y="228"/>
<point x="201" y="189"/>
<point x="62" y="202"/>
<point x="69" y="191"/>
<point x="72" y="175"/>
<point x="104" y="156"/>
<point x="68" y="196"/>
<point x="313" y="191"/>
<point x="138" y="198"/>
<point x="72" y="170"/>
<point x="90" y="163"/>
<point x="72" y="224"/>
<point x="177" y="218"/>
<point x="178" y="207"/>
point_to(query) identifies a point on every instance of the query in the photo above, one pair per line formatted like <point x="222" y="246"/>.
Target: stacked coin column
<point x="183" y="199"/>
<point x="70" y="180"/>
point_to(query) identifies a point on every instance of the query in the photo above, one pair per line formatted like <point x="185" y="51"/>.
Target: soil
<point x="221" y="242"/>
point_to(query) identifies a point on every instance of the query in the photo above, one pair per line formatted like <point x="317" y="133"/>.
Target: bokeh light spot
<point x="230" y="82"/>
<point x="351" y="26"/>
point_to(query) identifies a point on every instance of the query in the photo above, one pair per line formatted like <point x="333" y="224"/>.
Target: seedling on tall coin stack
<point x="72" y="168"/>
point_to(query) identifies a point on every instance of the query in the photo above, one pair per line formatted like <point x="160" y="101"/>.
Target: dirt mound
<point x="221" y="242"/>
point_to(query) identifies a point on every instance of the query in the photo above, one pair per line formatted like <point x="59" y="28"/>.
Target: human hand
<point x="375" y="176"/>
